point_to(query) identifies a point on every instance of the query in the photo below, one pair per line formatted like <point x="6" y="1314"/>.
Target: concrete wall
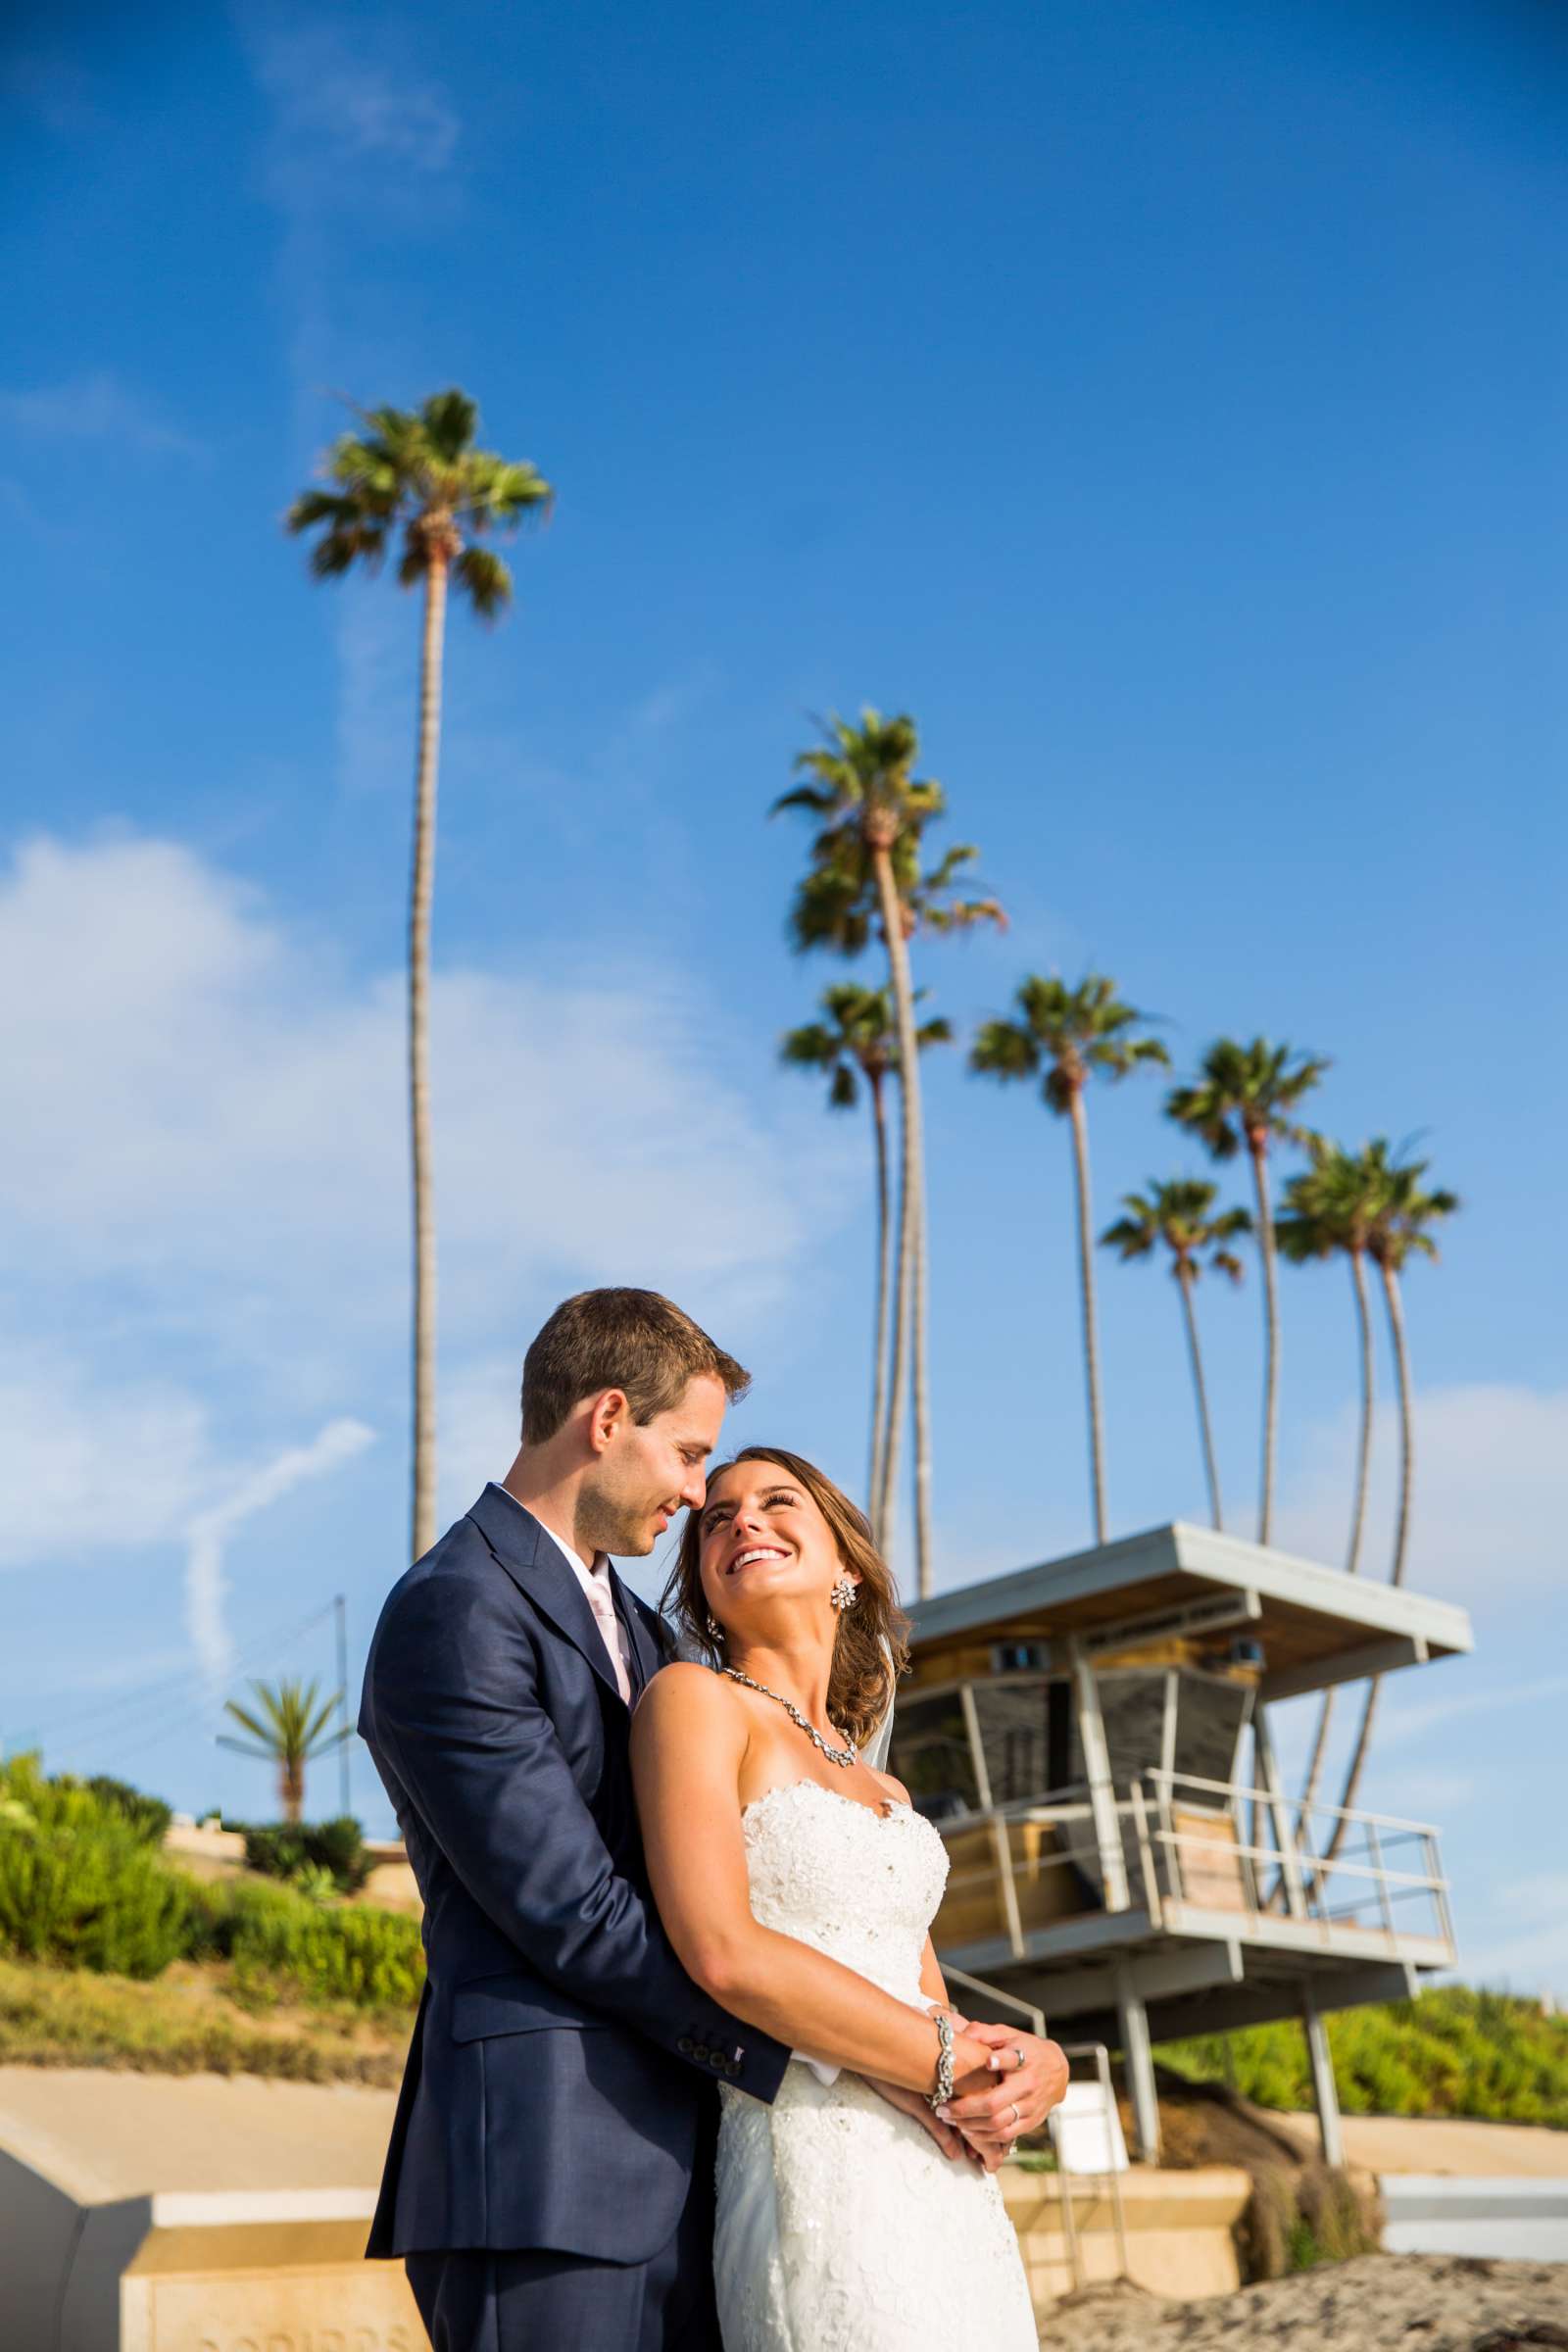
<point x="1519" y="2221"/>
<point x="1180" y="2229"/>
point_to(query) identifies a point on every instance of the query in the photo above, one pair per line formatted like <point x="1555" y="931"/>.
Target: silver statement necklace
<point x="845" y="1756"/>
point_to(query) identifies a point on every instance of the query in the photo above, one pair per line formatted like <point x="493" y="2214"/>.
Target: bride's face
<point x="763" y="1541"/>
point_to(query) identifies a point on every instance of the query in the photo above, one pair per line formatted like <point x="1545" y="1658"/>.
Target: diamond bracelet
<point x="944" y="2089"/>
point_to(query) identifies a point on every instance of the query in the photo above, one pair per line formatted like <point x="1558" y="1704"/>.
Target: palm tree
<point x="1072" y="1034"/>
<point x="1242" y="1096"/>
<point x="857" y="1040"/>
<point x="1181" y="1214"/>
<point x="864" y="874"/>
<point x="416" y="472"/>
<point x="290" y="1731"/>
<point x="1330" y="1209"/>
<point x="1399" y="1232"/>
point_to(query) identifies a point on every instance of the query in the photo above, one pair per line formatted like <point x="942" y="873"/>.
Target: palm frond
<point x="486" y="579"/>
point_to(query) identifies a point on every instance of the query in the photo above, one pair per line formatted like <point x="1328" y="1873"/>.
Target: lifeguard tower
<point x="1091" y="1739"/>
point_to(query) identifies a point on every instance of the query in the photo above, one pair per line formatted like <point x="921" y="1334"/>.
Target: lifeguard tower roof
<point x="1315" y="1624"/>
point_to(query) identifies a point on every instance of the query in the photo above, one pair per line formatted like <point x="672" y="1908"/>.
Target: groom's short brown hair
<point x="631" y="1340"/>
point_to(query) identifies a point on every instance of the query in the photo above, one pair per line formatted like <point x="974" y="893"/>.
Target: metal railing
<point x="1019" y="1868"/>
<point x="1284" y="1865"/>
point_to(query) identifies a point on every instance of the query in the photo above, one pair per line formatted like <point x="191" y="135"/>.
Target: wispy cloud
<point x="207" y="1114"/>
<point x="346" y="124"/>
<point x="96" y="406"/>
<point x="208" y="1533"/>
<point x="1490" y="1498"/>
<point x="1409" y="1720"/>
<point x="1523" y="1946"/>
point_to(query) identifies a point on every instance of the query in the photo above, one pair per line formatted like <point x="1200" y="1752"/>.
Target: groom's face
<point x="653" y="1469"/>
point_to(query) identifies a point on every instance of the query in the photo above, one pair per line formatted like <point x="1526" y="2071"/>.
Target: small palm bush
<point x="78" y="1879"/>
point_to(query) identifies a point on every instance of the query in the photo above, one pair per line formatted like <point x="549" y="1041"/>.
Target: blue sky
<point x="1165" y="407"/>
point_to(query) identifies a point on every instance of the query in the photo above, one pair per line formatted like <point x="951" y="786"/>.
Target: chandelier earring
<point x="844" y="1593"/>
<point x="715" y="1632"/>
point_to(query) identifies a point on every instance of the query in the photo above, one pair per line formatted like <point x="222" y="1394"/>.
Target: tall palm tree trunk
<point x="899" y="1346"/>
<point x="1085" y="1276"/>
<point x="1353" y="1557"/>
<point x="292" y="1788"/>
<point x="922" y="1401"/>
<point x="912" y="1279"/>
<point x="420" y="896"/>
<point x="884" y="1251"/>
<point x="1271" y="1328"/>
<point x="1204" y="1427"/>
<point x="1401" y="1539"/>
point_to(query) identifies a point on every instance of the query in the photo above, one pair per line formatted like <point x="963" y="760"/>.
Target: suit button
<point x="703" y="2054"/>
<point x="686" y="2047"/>
<point x="732" y="2067"/>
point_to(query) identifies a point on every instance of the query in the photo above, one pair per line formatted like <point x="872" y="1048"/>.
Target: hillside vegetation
<point x="111" y="1956"/>
<point x="1452" y="2051"/>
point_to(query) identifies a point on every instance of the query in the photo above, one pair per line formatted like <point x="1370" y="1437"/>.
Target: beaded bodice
<point x="859" y="1885"/>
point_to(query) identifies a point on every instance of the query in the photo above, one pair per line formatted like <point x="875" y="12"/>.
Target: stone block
<point x="148" y="2214"/>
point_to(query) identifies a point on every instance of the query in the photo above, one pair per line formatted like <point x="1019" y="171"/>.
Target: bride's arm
<point x="687" y="1743"/>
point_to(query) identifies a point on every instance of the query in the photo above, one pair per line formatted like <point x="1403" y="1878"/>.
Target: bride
<point x="796" y="1883"/>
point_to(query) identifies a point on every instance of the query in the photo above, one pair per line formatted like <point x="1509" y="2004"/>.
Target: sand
<point x="1417" y="2302"/>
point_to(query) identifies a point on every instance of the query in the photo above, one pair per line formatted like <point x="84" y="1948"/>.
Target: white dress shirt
<point x="590" y="1578"/>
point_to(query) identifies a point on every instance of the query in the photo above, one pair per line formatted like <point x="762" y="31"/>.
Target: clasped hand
<point x="1011" y="2095"/>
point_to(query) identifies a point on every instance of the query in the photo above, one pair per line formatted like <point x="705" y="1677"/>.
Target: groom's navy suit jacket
<point x="563" y="2063"/>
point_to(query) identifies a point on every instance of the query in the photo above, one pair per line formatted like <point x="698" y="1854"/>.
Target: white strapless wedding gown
<point x="842" y="2227"/>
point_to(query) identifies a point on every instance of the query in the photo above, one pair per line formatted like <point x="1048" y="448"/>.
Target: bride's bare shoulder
<point x="686" y="1691"/>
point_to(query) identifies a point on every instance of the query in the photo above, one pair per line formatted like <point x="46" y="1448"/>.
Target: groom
<point x="550" y="2176"/>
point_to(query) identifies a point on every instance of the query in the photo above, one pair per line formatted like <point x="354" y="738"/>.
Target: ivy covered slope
<point x="1452" y="2052"/>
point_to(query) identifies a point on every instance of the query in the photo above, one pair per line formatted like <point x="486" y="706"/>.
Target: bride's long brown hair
<point x="871" y="1644"/>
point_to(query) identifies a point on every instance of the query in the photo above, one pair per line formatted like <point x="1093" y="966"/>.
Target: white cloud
<point x="206" y="1170"/>
<point x="479" y="1416"/>
<point x="335" y="105"/>
<point x="1411" y="1719"/>
<point x="1524" y="1945"/>
<point x="88" y="1462"/>
<point x="209" y="1532"/>
<point x="95" y="408"/>
<point x="1490" y="1499"/>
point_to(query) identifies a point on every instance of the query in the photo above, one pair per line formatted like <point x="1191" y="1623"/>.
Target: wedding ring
<point x="1015" y="2111"/>
<point x="1017" y="2054"/>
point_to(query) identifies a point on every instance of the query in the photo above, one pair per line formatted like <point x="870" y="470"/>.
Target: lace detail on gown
<point x="841" y="2225"/>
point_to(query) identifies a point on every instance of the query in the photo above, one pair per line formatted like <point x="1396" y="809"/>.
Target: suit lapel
<point x="537" y="1564"/>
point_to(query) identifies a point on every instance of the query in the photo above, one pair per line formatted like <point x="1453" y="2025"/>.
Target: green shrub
<point x="284" y="1944"/>
<point x="1452" y="2051"/>
<point x="282" y="1850"/>
<point x="148" y="1816"/>
<point x="78" y="1881"/>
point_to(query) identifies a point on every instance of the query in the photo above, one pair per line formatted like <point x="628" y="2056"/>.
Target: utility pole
<point x="341" y="1610"/>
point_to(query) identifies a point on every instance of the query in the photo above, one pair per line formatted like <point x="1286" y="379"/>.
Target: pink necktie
<point x="604" y="1609"/>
